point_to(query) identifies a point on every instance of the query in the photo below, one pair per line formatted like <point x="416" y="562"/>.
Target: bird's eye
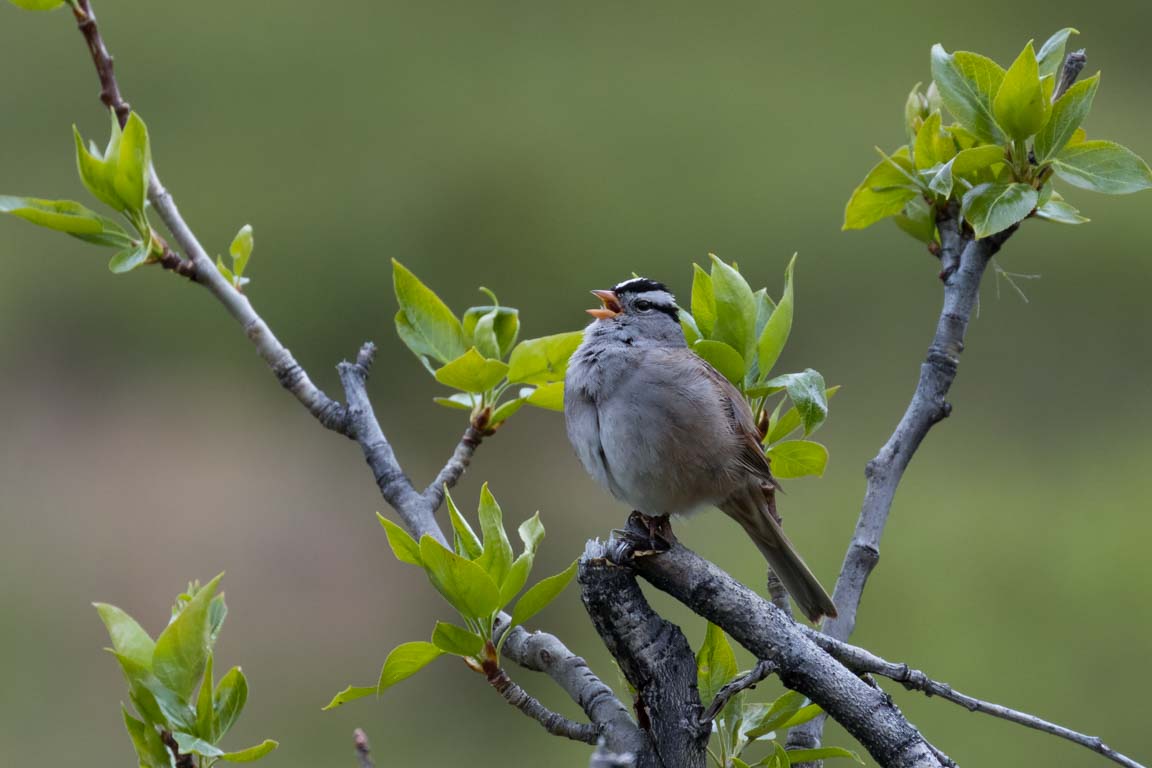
<point x="643" y="305"/>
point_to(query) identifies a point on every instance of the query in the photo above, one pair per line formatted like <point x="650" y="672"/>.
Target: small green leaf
<point x="429" y="327"/>
<point x="548" y="396"/>
<point x="463" y="583"/>
<point x="883" y="193"/>
<point x="703" y="301"/>
<point x="467" y="542"/>
<point x="60" y="215"/>
<point x="252" y="753"/>
<point x="500" y="330"/>
<point x="715" y="664"/>
<point x="183" y="647"/>
<point x="735" y="309"/>
<point x="128" y="638"/>
<point x="1067" y="114"/>
<point x="231" y="695"/>
<point x="688" y="326"/>
<point x="404" y="547"/>
<point x="456" y="640"/>
<point x="1020" y="106"/>
<point x="915" y="110"/>
<point x="205" y="712"/>
<point x="1060" y="212"/>
<point x="150" y="748"/>
<point x="1103" y="166"/>
<point x="933" y="146"/>
<point x="472" y="372"/>
<point x="541" y="594"/>
<point x="974" y="159"/>
<point x="133" y="165"/>
<point x="508" y="408"/>
<point x="991" y="208"/>
<point x="723" y="358"/>
<point x="543" y="360"/>
<point x="941" y="181"/>
<point x="129" y="258"/>
<point x="798" y="756"/>
<point x="784" y="426"/>
<point x="776" y="715"/>
<point x="1050" y="57"/>
<point x="38" y="5"/>
<point x="496" y="557"/>
<point x="405" y="661"/>
<point x="968" y="83"/>
<point x="461" y="401"/>
<point x="803" y="715"/>
<point x="777" y="329"/>
<point x="351" y="693"/>
<point x="531" y="532"/>
<point x="806" y="390"/>
<point x="241" y="250"/>
<point x="516" y="577"/>
<point x="193" y="745"/>
<point x="99" y="173"/>
<point x="918" y="219"/>
<point x="798" y="458"/>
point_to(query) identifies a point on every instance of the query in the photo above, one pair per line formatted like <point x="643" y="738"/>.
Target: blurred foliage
<point x="559" y="148"/>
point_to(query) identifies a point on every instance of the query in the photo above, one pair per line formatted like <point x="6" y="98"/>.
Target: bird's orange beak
<point x="611" y="306"/>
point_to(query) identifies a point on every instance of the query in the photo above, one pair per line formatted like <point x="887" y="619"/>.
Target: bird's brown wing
<point x="743" y="424"/>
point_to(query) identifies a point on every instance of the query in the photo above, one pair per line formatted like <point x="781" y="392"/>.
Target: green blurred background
<point x="543" y="149"/>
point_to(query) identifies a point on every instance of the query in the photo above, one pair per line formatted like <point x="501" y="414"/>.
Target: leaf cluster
<point x="742" y="334"/>
<point x="742" y="724"/>
<point x="478" y="354"/>
<point x="996" y="161"/>
<point x="171" y="685"/>
<point x="479" y="576"/>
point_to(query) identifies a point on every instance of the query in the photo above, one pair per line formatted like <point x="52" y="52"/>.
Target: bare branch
<point x="452" y="471"/>
<point x="553" y="722"/>
<point x="363" y="753"/>
<point x="742" y="683"/>
<point x="862" y="661"/>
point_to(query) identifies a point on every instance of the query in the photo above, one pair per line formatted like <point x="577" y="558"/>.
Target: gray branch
<point x="454" y="469"/>
<point x="655" y="657"/>
<point x="862" y="661"/>
<point x="750" y="679"/>
<point x="553" y="722"/>
<point x="363" y="752"/>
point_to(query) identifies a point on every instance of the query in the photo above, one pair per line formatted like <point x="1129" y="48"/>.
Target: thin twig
<point x="742" y="683"/>
<point x="553" y="722"/>
<point x="863" y="661"/>
<point x="454" y="469"/>
<point x="363" y="752"/>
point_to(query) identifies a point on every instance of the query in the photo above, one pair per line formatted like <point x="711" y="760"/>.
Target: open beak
<point x="611" y="306"/>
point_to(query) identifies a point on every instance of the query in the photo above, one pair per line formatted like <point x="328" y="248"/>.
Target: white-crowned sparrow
<point x="666" y="433"/>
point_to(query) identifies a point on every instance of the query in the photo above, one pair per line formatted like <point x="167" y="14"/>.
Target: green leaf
<point x="231" y="695"/>
<point x="1020" y="106"/>
<point x="941" y="181"/>
<point x="992" y="208"/>
<point x="543" y="360"/>
<point x="779" y="326"/>
<point x="715" y="664"/>
<point x="933" y="146"/>
<point x="183" y="647"/>
<point x="883" y="193"/>
<point x="460" y="401"/>
<point x="798" y="458"/>
<point x="496" y="557"/>
<point x="252" y="753"/>
<point x="150" y="748"/>
<point x="548" y="396"/>
<point x="404" y="547"/>
<point x="797" y="756"/>
<point x="1050" y="57"/>
<point x="241" y="250"/>
<point x="1103" y="166"/>
<point x="217" y="612"/>
<point x="38" y="5"/>
<point x="133" y="165"/>
<point x="128" y="638"/>
<point x="806" y="390"/>
<point x="918" y="219"/>
<point x="968" y="83"/>
<point x="915" y="110"/>
<point x="129" y="258"/>
<point x="429" y="327"/>
<point x="703" y="301"/>
<point x="351" y="693"/>
<point x="723" y="358"/>
<point x="463" y="583"/>
<point x="688" y="326"/>
<point x="205" y="712"/>
<point x="790" y="421"/>
<point x="509" y="407"/>
<point x="531" y="532"/>
<point x="99" y="173"/>
<point x="60" y="215"/>
<point x="735" y="309"/>
<point x="776" y="715"/>
<point x="1067" y="114"/>
<point x="803" y="715"/>
<point x="472" y="372"/>
<point x="974" y="159"/>
<point x="154" y="701"/>
<point x="1060" y="212"/>
<point x="458" y="641"/>
<point x="491" y="329"/>
<point x="405" y="661"/>
<point x="541" y="594"/>
<point x="467" y="542"/>
<point x="516" y="577"/>
<point x="193" y="745"/>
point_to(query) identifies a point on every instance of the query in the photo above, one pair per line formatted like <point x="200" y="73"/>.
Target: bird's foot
<point x="644" y="535"/>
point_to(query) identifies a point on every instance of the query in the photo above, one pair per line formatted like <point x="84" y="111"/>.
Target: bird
<point x="665" y="432"/>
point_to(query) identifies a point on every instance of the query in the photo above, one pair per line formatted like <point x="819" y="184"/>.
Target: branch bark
<point x="553" y="722"/>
